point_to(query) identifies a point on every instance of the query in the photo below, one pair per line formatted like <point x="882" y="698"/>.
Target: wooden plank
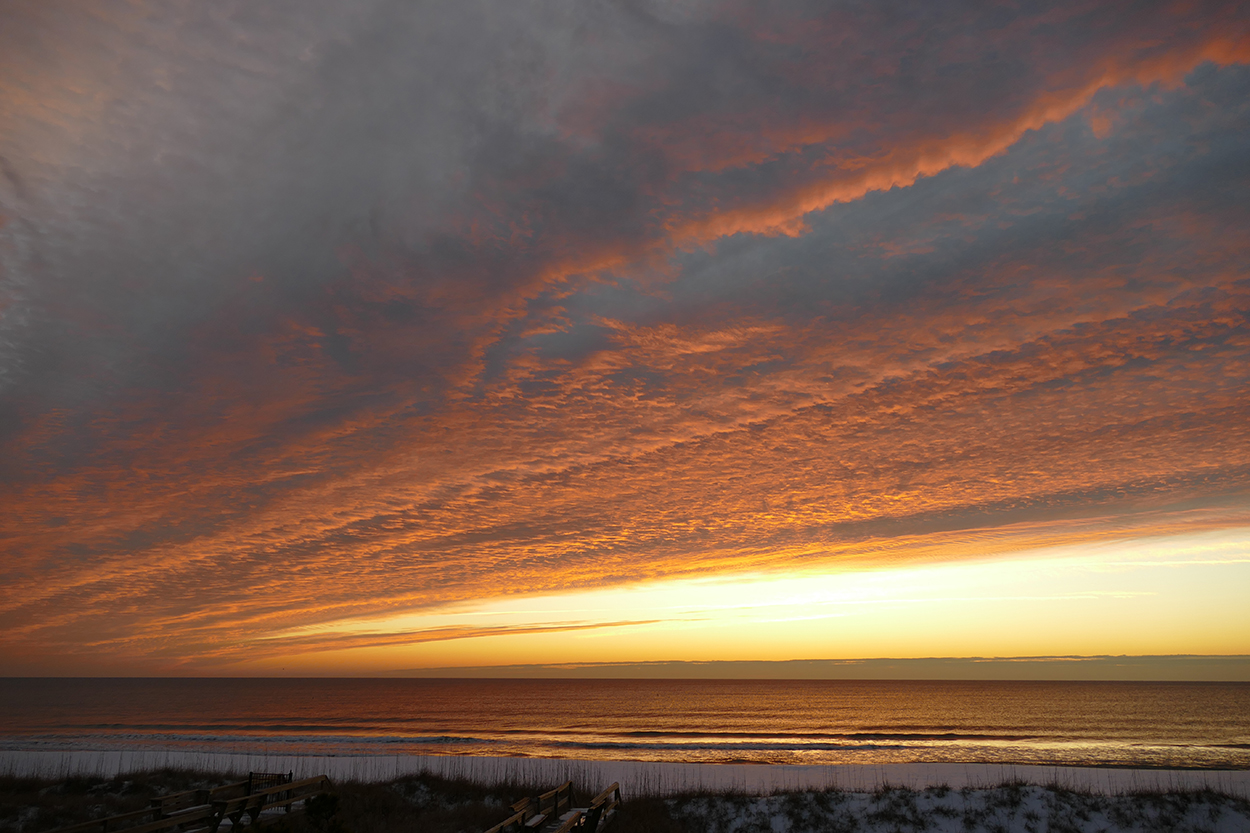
<point x="536" y="810"/>
<point x="225" y="788"/>
<point x="569" y="823"/>
<point x="193" y="798"/>
<point x="263" y="820"/>
<point x="164" y="801"/>
<point x="183" y="815"/>
<point x="306" y="788"/>
<point x="603" y="796"/>
<point x="564" y="796"/>
<point x="284" y="802"/>
<point x="260" y="781"/>
<point x="181" y="801"/>
<point x="567" y="786"/>
<point x="519" y="817"/>
<point x="598" y="816"/>
<point x="295" y="785"/>
<point x="101" y="824"/>
<point x="174" y="820"/>
<point x="295" y="811"/>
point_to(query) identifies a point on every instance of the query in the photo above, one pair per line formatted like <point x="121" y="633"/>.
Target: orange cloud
<point x="578" y="379"/>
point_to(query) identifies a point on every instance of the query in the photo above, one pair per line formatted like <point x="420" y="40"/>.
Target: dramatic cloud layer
<point x="316" y="312"/>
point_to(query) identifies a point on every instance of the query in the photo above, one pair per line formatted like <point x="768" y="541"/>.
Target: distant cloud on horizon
<point x="1179" y="668"/>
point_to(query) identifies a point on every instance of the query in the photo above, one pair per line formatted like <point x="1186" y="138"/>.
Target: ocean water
<point x="1180" y="725"/>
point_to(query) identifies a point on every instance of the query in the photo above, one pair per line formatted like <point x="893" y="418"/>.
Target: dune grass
<point x="437" y="804"/>
<point x="411" y="803"/>
<point x="1013" y="807"/>
<point x="43" y="803"/>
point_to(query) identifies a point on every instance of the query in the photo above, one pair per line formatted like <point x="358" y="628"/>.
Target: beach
<point x="699" y="756"/>
<point x="636" y="777"/>
<point x="464" y="794"/>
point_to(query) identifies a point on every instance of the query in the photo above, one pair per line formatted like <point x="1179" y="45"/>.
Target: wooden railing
<point x="175" y="802"/>
<point x="205" y="809"/>
<point x="282" y="795"/>
<point x="602" y="808"/>
<point x="533" y="812"/>
<point x="543" y="812"/>
<point x="162" y="807"/>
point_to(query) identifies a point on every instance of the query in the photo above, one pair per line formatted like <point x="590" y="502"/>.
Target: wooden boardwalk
<point x="553" y="812"/>
<point x="204" y="811"/>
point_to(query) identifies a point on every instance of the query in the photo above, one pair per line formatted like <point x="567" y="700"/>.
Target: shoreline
<point x="637" y="778"/>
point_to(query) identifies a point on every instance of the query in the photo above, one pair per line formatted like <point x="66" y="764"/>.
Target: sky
<point x="406" y="337"/>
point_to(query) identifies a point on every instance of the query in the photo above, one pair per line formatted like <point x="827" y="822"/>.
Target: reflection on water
<point x="1138" y="724"/>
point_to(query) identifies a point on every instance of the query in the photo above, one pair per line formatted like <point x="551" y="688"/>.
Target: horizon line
<point x="1041" y="668"/>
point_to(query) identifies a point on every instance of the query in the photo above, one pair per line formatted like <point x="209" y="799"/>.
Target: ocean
<point x="1175" y="725"/>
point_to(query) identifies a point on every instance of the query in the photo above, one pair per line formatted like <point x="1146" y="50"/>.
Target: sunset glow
<point x="380" y="337"/>
<point x="1150" y="596"/>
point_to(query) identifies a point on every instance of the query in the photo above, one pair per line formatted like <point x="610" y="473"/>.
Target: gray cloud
<point x="417" y="296"/>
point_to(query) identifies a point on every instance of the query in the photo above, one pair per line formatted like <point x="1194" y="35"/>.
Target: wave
<point x="365" y="732"/>
<point x="725" y="747"/>
<point x="657" y="740"/>
<point x="899" y="736"/>
<point x="137" y="740"/>
<point x="718" y="750"/>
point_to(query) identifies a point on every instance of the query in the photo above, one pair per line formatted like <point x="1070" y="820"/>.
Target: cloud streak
<point x="309" y="314"/>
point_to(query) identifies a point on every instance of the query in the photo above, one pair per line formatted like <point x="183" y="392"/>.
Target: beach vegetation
<point x="438" y="804"/>
<point x="45" y="803"/>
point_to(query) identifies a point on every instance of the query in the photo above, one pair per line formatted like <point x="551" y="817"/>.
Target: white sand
<point x="1023" y="809"/>
<point x="636" y="778"/>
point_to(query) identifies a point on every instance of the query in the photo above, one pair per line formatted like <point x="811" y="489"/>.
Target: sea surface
<point x="1179" y="725"/>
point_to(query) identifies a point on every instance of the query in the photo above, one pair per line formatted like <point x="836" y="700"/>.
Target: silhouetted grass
<point x="426" y="803"/>
<point x="36" y="804"/>
<point x="412" y="803"/>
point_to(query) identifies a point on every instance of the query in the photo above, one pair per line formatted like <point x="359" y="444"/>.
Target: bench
<point x="282" y="795"/>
